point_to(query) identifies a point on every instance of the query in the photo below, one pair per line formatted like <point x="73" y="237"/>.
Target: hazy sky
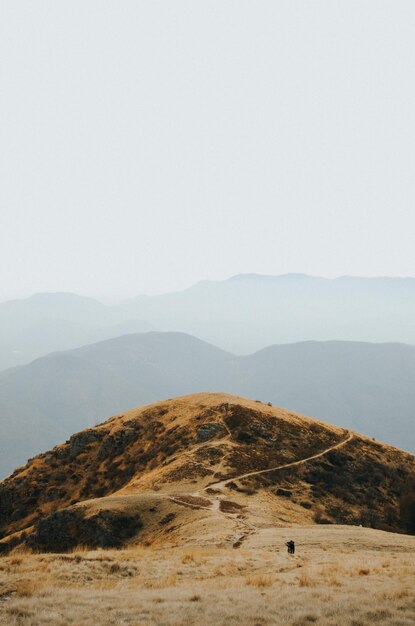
<point x="145" y="145"/>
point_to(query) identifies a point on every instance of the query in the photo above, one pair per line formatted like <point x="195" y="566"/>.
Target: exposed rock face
<point x="119" y="441"/>
<point x="79" y="443"/>
<point x="211" y="430"/>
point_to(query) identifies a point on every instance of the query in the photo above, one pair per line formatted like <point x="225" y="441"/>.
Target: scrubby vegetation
<point x="407" y="506"/>
<point x="312" y="472"/>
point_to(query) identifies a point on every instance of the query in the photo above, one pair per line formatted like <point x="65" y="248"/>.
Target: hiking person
<point x="291" y="546"/>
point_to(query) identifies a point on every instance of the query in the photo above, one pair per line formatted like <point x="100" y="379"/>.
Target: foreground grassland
<point x="340" y="576"/>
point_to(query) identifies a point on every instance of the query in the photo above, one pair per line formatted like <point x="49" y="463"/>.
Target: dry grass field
<point x="340" y="576"/>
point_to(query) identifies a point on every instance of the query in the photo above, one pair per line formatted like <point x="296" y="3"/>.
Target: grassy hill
<point x="179" y="512"/>
<point x="197" y="466"/>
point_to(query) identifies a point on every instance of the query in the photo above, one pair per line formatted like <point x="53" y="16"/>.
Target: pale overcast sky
<point x="145" y="145"/>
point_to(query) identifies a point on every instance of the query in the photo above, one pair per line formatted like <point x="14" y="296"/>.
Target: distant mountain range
<point x="249" y="311"/>
<point x="242" y="314"/>
<point x="47" y="322"/>
<point x="364" y="386"/>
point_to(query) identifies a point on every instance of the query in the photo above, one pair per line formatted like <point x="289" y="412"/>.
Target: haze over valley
<point x="250" y="311"/>
<point x="241" y="314"/>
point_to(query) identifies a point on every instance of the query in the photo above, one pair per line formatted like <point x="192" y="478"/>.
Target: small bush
<point x="364" y="571"/>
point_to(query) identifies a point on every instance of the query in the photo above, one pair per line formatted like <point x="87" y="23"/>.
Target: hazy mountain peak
<point x="270" y="277"/>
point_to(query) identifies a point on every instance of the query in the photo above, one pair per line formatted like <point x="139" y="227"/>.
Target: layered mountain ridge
<point x="251" y="311"/>
<point x="242" y="314"/>
<point x="47" y="322"/>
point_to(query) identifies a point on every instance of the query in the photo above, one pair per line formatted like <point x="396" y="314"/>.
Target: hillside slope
<point x="367" y="387"/>
<point x="206" y="465"/>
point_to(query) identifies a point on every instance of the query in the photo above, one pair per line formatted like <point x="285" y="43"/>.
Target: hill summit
<point x="209" y="467"/>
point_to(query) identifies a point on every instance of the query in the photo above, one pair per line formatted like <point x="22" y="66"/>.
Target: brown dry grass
<point x="259" y="581"/>
<point x="363" y="577"/>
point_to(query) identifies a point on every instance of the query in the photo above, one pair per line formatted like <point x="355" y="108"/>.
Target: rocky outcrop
<point x="211" y="430"/>
<point x="115" y="444"/>
<point x="80" y="442"/>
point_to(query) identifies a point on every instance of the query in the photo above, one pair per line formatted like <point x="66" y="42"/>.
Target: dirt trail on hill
<point x="243" y="525"/>
<point x="223" y="483"/>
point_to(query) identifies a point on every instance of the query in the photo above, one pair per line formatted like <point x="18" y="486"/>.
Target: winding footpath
<point x="214" y="506"/>
<point x="221" y="484"/>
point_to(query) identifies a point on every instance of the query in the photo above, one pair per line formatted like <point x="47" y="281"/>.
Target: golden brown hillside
<point x="206" y="469"/>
